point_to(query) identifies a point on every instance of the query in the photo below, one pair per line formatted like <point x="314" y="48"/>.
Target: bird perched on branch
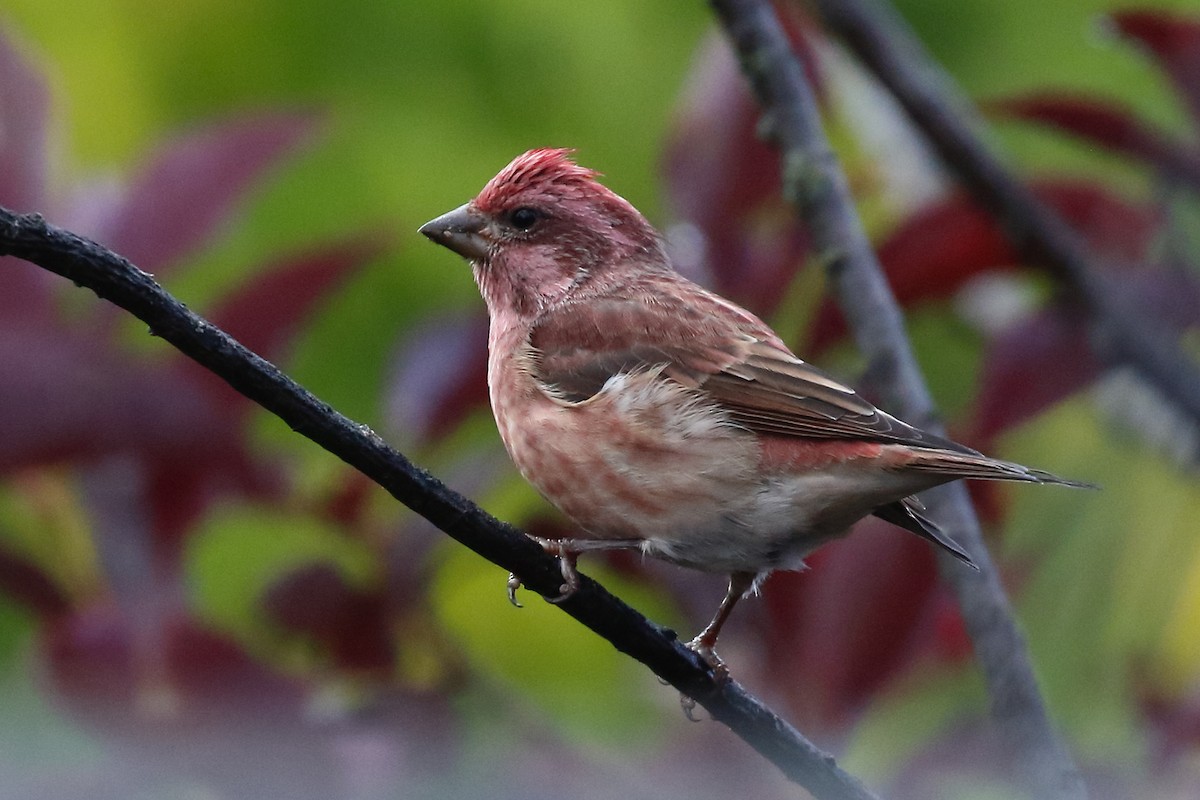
<point x="662" y="417"/>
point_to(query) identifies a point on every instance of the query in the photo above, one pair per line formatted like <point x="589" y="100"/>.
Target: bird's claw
<point x="571" y="581"/>
<point x="514" y="583"/>
<point x="703" y="647"/>
<point x="688" y="704"/>
<point x="566" y="560"/>
<point x="709" y="656"/>
<point x="566" y="563"/>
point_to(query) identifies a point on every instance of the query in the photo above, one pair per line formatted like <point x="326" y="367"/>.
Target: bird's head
<point x="542" y="229"/>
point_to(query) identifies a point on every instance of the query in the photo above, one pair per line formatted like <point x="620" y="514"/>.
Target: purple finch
<point x="662" y="417"/>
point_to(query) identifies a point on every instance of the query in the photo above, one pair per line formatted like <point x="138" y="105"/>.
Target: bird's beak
<point x="462" y="230"/>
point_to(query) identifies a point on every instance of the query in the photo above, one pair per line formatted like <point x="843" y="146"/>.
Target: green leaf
<point x="240" y="552"/>
<point x="579" y="682"/>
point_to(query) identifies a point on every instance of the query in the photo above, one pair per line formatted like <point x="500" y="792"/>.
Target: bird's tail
<point x="909" y="514"/>
<point x="980" y="467"/>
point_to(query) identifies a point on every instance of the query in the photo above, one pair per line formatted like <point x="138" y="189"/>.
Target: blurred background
<point x="197" y="603"/>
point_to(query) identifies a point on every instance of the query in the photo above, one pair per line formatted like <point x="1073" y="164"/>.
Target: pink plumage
<point x="662" y="417"/>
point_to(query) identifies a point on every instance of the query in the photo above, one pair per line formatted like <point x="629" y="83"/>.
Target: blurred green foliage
<point x="423" y="102"/>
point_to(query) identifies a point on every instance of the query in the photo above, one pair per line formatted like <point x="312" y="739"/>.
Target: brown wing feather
<point x="775" y="392"/>
<point x="579" y="345"/>
<point x="734" y="359"/>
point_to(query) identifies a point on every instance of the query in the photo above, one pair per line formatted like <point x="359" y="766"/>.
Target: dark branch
<point x="815" y="184"/>
<point x="1122" y="333"/>
<point x="116" y="280"/>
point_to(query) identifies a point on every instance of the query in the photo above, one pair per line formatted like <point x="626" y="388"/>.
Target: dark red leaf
<point x="1029" y="367"/>
<point x="439" y="377"/>
<point x="98" y="670"/>
<point x="724" y="180"/>
<point x="264" y="315"/>
<point x="28" y="584"/>
<point x="266" y="311"/>
<point x="754" y="264"/>
<point x="69" y="398"/>
<point x="715" y="167"/>
<point x="1107" y="125"/>
<point x="55" y="384"/>
<point x="25" y="291"/>
<point x="352" y="624"/>
<point x="91" y="664"/>
<point x="1175" y="722"/>
<point x="183" y="484"/>
<point x="870" y="604"/>
<point x="66" y="397"/>
<point x="1115" y="229"/>
<point x="24" y="102"/>
<point x="193" y="185"/>
<point x="212" y="672"/>
<point x="349" y="500"/>
<point x="1174" y="41"/>
<point x="1047" y="358"/>
<point x="938" y="249"/>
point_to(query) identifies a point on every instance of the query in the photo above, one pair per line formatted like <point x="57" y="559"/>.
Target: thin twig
<point x="1122" y="333"/>
<point x="816" y="185"/>
<point x="116" y="280"/>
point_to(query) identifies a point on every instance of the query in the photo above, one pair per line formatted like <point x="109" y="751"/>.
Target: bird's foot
<point x="688" y="704"/>
<point x="566" y="562"/>
<point x="567" y="551"/>
<point x="703" y="648"/>
<point x="566" y="590"/>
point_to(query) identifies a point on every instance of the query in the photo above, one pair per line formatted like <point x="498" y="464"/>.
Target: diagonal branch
<point x="114" y="279"/>
<point x="816" y="185"/>
<point x="1121" y="332"/>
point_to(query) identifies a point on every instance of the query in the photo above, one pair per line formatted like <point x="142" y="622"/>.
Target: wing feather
<point x="734" y="360"/>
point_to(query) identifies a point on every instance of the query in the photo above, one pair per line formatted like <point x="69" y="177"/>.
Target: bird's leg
<point x="567" y="551"/>
<point x="705" y="644"/>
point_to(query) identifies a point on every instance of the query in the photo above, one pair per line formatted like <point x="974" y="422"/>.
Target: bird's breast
<point x="643" y="457"/>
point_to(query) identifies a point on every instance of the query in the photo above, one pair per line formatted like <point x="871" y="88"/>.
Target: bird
<point x="661" y="417"/>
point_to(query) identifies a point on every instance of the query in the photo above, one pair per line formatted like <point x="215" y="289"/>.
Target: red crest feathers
<point x="544" y="171"/>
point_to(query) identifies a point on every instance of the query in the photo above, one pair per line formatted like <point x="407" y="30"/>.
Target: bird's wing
<point x="722" y="352"/>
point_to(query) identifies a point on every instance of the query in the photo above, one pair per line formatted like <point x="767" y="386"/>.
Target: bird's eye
<point x="524" y="218"/>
